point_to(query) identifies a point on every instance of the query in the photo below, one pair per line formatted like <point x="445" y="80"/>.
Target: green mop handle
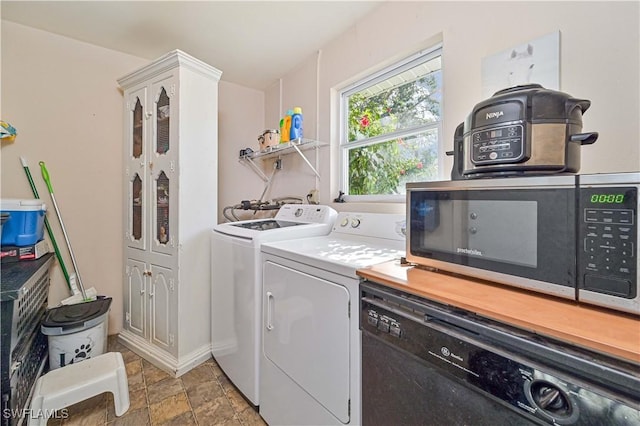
<point x="52" y="237"/>
<point x="45" y="176"/>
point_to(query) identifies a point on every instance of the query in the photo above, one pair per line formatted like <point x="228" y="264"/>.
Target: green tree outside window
<point x="409" y="114"/>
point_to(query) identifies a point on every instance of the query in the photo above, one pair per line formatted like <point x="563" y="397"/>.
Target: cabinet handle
<point x="148" y="114"/>
<point x="147" y="273"/>
<point x="270" y="301"/>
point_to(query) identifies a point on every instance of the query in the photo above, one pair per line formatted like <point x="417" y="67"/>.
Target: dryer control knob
<point x="344" y="222"/>
<point x="355" y="223"/>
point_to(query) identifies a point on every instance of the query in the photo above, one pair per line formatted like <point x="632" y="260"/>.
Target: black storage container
<point x="25" y="289"/>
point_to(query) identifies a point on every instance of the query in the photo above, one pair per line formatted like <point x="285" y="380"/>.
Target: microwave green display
<point x="607" y="198"/>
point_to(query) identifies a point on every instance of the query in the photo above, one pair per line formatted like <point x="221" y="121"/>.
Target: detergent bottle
<point x="285" y="130"/>
<point x="283" y="137"/>
<point x="296" y="124"/>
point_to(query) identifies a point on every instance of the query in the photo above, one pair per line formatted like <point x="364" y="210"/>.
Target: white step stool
<point x="74" y="383"/>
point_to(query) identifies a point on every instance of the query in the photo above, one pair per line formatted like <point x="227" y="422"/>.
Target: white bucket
<point x="72" y="348"/>
<point x="76" y="332"/>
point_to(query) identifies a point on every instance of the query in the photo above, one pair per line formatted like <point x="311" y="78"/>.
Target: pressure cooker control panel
<point x="504" y="144"/>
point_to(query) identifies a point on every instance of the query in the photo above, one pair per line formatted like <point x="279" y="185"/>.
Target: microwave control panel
<point x="609" y="239"/>
<point x="504" y="144"/>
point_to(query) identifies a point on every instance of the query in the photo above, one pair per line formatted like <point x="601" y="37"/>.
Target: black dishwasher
<point x="428" y="364"/>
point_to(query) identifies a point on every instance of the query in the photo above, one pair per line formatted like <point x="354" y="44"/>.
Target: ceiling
<point x="253" y="43"/>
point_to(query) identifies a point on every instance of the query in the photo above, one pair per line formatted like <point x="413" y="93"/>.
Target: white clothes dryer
<point x="310" y="364"/>
<point x="236" y="283"/>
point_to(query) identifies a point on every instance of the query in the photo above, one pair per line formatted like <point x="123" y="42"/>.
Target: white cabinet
<point x="170" y="207"/>
<point x="151" y="309"/>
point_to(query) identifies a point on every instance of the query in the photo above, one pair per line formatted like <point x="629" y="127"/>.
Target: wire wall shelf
<point x="297" y="145"/>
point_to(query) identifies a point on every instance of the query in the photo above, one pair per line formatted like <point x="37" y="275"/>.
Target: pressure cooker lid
<point x="72" y="316"/>
<point x="532" y="103"/>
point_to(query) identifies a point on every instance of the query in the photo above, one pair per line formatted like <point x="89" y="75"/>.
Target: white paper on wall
<point x="536" y="61"/>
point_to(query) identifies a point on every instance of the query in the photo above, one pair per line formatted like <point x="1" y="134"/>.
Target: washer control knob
<point x="355" y="223"/>
<point x="298" y="212"/>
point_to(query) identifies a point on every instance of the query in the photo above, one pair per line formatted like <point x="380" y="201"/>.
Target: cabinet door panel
<point x="135" y="294"/>
<point x="162" y="308"/>
<point x="163" y="213"/>
<point x="163" y="150"/>
<point x="135" y="170"/>
<point x="135" y="216"/>
<point x="136" y="118"/>
<point x="162" y="109"/>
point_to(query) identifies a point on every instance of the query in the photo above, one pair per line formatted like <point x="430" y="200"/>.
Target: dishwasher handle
<point x="270" y="303"/>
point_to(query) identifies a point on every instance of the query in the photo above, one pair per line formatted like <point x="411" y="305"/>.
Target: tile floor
<point x="202" y="396"/>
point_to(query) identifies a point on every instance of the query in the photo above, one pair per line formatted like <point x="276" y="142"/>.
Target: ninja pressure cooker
<point x="519" y="131"/>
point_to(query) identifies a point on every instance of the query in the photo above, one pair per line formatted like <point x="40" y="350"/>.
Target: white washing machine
<point x="310" y="364"/>
<point x="236" y="283"/>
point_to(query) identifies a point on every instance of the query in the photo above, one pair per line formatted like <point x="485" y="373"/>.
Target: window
<point x="390" y="132"/>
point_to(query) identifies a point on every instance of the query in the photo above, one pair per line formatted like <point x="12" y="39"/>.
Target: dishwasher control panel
<point x="384" y="323"/>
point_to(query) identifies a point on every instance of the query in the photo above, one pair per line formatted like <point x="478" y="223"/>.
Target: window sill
<point x="398" y="199"/>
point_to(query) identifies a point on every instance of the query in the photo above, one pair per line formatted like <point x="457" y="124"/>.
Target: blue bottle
<point x="296" y="124"/>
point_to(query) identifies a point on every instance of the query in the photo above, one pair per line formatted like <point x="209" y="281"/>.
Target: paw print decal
<point x="82" y="353"/>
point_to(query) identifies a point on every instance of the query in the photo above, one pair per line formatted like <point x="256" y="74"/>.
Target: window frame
<point x="344" y="145"/>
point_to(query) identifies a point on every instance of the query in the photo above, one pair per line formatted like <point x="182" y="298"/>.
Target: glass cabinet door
<point x="162" y="229"/>
<point x="136" y="169"/>
<point x="163" y="167"/>
<point x="137" y="205"/>
<point x="163" y="112"/>
<point x="137" y="130"/>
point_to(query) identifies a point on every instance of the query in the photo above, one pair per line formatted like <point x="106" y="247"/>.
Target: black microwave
<point x="573" y="236"/>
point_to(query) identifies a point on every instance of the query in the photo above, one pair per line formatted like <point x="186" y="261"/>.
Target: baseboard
<point x="161" y="359"/>
<point x="192" y="360"/>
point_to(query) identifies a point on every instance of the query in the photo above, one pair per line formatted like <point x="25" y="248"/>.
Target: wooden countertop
<point x="602" y="330"/>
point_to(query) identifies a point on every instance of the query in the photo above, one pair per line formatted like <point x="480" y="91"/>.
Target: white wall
<point x="240" y="120"/>
<point x="599" y="61"/>
<point x="63" y="98"/>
